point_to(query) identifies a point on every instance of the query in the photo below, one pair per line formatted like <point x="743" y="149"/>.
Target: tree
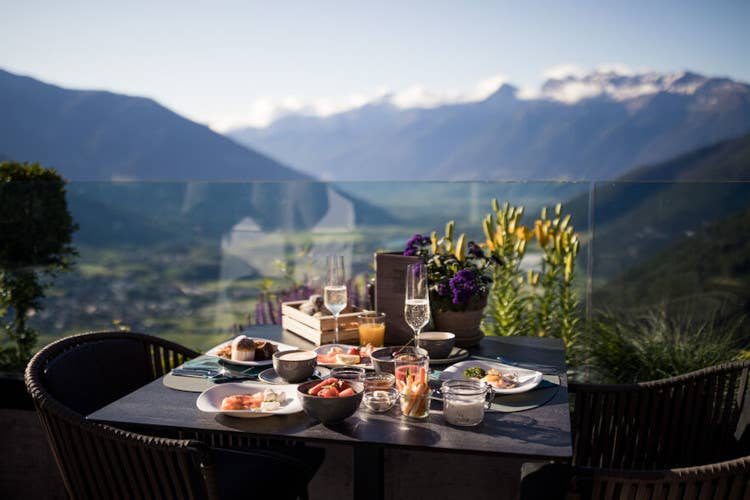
<point x="36" y="232"/>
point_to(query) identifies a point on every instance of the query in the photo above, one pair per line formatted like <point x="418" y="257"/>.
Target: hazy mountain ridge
<point x="654" y="207"/>
<point x="591" y="127"/>
<point x="98" y="135"/>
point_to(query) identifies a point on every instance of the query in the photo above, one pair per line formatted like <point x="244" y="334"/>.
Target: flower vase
<point x="463" y="324"/>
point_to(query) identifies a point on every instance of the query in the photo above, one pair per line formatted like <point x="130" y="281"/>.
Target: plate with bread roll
<point x="248" y="351"/>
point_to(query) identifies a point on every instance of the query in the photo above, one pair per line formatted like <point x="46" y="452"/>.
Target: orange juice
<point x="372" y="333"/>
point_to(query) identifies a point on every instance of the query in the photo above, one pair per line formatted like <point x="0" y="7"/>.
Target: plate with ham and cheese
<point x="335" y="355"/>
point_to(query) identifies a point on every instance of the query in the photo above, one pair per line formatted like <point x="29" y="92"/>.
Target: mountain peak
<point x="503" y="93"/>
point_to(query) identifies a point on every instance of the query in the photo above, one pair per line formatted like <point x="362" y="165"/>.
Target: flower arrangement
<point x="460" y="274"/>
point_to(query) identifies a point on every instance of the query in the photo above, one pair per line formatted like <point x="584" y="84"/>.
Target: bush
<point x="620" y="348"/>
<point x="35" y="243"/>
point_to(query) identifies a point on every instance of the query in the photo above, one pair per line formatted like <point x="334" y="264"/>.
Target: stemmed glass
<point x="417" y="303"/>
<point x="334" y="293"/>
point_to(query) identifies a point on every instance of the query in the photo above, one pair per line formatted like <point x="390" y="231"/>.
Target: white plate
<point x="279" y="345"/>
<point x="210" y="400"/>
<point x="323" y="349"/>
<point x="528" y="379"/>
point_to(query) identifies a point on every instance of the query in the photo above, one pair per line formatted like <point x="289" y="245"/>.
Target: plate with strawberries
<point x="334" y="355"/>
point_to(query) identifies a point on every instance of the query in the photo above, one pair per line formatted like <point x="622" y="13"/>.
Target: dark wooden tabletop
<point x="539" y="433"/>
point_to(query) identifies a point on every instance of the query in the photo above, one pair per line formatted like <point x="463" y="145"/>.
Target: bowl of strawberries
<point x="330" y="400"/>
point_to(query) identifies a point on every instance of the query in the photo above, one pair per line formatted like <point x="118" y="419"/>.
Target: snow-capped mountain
<point x="591" y="126"/>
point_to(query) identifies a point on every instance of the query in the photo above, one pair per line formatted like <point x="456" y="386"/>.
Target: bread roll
<point x="243" y="349"/>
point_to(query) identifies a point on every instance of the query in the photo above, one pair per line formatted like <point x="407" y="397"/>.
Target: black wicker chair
<point x="653" y="440"/>
<point x="79" y="374"/>
<point x="728" y="480"/>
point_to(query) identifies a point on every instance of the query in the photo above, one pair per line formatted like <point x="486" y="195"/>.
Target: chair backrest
<point x="728" y="480"/>
<point x="687" y="420"/>
<point x="98" y="461"/>
<point x="88" y="371"/>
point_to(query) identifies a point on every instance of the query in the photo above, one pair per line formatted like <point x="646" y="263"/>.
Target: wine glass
<point x="417" y="304"/>
<point x="334" y="293"/>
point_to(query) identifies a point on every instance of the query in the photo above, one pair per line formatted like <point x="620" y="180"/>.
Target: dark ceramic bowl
<point x="329" y="409"/>
<point x="382" y="359"/>
<point x="438" y="344"/>
<point x="295" y="370"/>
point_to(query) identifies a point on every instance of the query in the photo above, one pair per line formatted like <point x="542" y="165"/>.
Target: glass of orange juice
<point x="372" y="328"/>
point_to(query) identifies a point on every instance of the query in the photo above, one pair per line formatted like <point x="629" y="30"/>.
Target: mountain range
<point x="652" y="208"/>
<point x="93" y="135"/>
<point x="578" y="128"/>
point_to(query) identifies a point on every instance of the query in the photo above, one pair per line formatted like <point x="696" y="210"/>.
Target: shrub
<point x="621" y="348"/>
<point x="35" y="243"/>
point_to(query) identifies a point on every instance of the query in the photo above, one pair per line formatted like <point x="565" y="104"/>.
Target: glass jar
<point x="464" y="401"/>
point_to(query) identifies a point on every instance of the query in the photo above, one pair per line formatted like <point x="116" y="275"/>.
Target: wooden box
<point x="390" y="293"/>
<point x="320" y="330"/>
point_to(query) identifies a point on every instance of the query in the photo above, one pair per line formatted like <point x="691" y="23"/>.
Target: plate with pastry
<point x="248" y="351"/>
<point x="504" y="379"/>
<point x="335" y="355"/>
<point x="249" y="400"/>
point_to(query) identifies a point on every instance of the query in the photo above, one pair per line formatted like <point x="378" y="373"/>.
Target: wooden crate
<point x="320" y="330"/>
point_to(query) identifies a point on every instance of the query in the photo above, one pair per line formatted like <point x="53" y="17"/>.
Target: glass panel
<point x="192" y="261"/>
<point x="680" y="246"/>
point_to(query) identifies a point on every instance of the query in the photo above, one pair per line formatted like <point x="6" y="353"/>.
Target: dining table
<point x="538" y="434"/>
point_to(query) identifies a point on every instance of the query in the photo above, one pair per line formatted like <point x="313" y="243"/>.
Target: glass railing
<point x="191" y="261"/>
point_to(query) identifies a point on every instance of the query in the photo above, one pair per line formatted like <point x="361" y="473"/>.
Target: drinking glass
<point x="371" y="328"/>
<point x="334" y="292"/>
<point x="417" y="303"/>
<point x="412" y="382"/>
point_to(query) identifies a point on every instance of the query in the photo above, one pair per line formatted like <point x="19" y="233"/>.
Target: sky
<point x="232" y="63"/>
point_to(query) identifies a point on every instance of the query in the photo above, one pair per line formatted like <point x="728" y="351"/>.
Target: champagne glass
<point x="417" y="304"/>
<point x="334" y="293"/>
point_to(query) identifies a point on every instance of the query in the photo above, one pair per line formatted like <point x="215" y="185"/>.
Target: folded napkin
<point x="216" y="364"/>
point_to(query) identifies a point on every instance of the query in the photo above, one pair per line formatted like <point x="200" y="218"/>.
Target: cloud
<point x="263" y="111"/>
<point x="561" y="71"/>
<point x="567" y="83"/>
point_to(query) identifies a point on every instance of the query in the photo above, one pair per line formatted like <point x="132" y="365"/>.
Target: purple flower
<point x="414" y="244"/>
<point x="442" y="290"/>
<point x="463" y="286"/>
